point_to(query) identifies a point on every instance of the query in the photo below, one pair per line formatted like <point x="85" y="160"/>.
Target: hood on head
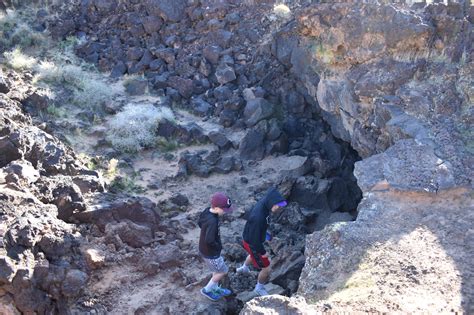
<point x="272" y="198"/>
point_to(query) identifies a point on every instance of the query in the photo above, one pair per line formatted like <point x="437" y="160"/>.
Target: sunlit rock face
<point x="395" y="81"/>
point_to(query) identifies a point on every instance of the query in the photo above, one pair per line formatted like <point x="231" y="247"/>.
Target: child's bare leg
<point x="264" y="274"/>
<point x="248" y="261"/>
<point x="217" y="276"/>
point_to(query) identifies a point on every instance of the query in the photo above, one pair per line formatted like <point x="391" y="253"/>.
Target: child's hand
<point x="268" y="237"/>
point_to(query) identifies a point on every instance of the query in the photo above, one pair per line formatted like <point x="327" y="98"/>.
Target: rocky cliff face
<point x="41" y="187"/>
<point x="397" y="83"/>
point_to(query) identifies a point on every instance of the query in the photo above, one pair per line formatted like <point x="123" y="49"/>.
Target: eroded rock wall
<point x="397" y="83"/>
<point x="41" y="186"/>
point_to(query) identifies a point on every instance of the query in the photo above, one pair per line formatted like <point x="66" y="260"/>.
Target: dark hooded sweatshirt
<point x="257" y="223"/>
<point x="210" y="245"/>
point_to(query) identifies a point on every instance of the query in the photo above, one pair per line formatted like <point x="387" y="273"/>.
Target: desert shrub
<point x="68" y="44"/>
<point x="91" y="93"/>
<point x="54" y="110"/>
<point x="134" y="128"/>
<point x="166" y="145"/>
<point x="282" y="10"/>
<point x="15" y="32"/>
<point x="24" y="37"/>
<point x="88" y="91"/>
<point x="18" y="60"/>
<point x="125" y="184"/>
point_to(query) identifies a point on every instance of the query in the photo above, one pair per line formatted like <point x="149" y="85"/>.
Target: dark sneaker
<point x="213" y="295"/>
<point x="223" y="291"/>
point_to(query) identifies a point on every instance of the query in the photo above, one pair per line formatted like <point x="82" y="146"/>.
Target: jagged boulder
<point x="62" y="192"/>
<point x="220" y="139"/>
<point x="74" y="283"/>
<point x="256" y="110"/>
<point x="21" y="172"/>
<point x="130" y="233"/>
<point x="4" y="87"/>
<point x="252" y="145"/>
<point x="111" y="209"/>
<point x="169" y="10"/>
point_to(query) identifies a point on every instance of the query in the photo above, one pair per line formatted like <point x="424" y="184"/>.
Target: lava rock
<point x="340" y="217"/>
<point x="227" y="118"/>
<point x="7" y="269"/>
<point x="179" y="200"/>
<point x="212" y="54"/>
<point x="136" y="87"/>
<point x="37" y="101"/>
<point x="222" y="93"/>
<point x="224" y="166"/>
<point x="160" y="81"/>
<point x="118" y="70"/>
<point x="219" y="139"/>
<point x="311" y="193"/>
<point x="4" y="88"/>
<point x="205" y="68"/>
<point x="249" y="295"/>
<point x="221" y="37"/>
<point x="252" y="145"/>
<point x="89" y="183"/>
<point x="169" y="10"/>
<point x="201" y="107"/>
<point x="184" y="86"/>
<point x="152" y="24"/>
<point x="95" y="258"/>
<point x="274" y="130"/>
<point x="62" y="192"/>
<point x="21" y="171"/>
<point x="193" y="163"/>
<point x="139" y="210"/>
<point x="192" y="132"/>
<point x="167" y="54"/>
<point x="10" y="151"/>
<point x="257" y="110"/>
<point x="168" y="256"/>
<point x="130" y="233"/>
<point x="134" y="53"/>
<point x="225" y="74"/>
<point x="74" y="283"/>
<point x="248" y="94"/>
<point x="167" y="129"/>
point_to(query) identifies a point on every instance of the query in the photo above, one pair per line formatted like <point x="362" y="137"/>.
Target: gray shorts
<point x="216" y="265"/>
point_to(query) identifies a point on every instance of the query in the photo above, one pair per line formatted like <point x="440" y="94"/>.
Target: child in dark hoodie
<point x="210" y="245"/>
<point x="255" y="234"/>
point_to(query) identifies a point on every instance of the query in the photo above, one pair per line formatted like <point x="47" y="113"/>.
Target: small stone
<point x="201" y="107"/>
<point x="179" y="200"/>
<point x="95" y="258"/>
<point x="212" y="54"/>
<point x="256" y="110"/>
<point x="220" y="139"/>
<point x="225" y="74"/>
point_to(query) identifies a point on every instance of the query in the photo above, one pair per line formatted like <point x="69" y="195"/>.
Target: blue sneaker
<point x="213" y="295"/>
<point x="223" y="291"/>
